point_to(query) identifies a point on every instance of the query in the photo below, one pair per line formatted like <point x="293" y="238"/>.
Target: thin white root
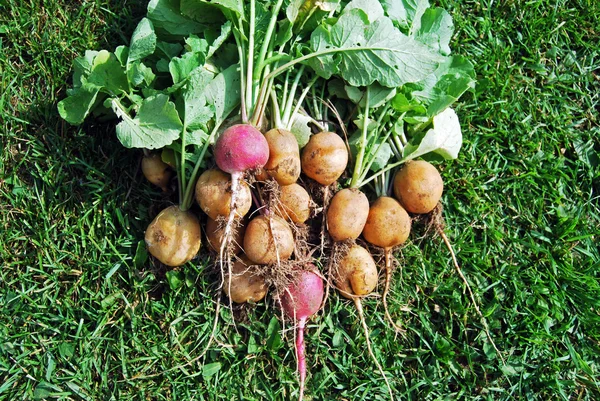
<point x="361" y="316"/>
<point x="386" y="290"/>
<point x="227" y="238"/>
<point x="471" y="295"/>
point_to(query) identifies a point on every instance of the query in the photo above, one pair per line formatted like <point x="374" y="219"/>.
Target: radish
<point x="388" y="225"/>
<point x="284" y="156"/>
<point x="301" y="300"/>
<point x="347" y="214"/>
<point x="214" y="193"/>
<point x="418" y="186"/>
<point x="268" y="239"/>
<point x="173" y="237"/>
<point x="294" y="203"/>
<point x="355" y="278"/>
<point x="324" y="158"/>
<point x="156" y="171"/>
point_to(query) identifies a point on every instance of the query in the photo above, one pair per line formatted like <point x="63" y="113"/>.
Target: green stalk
<point x="264" y="90"/>
<point x="250" y="64"/>
<point x="179" y="186"/>
<point x="276" y="110"/>
<point x="182" y="163"/>
<point x="285" y="87"/>
<point x="290" y="101"/>
<point x="266" y="43"/>
<point x="363" y="144"/>
<point x="187" y="197"/>
<point x="240" y="48"/>
<point x="290" y="118"/>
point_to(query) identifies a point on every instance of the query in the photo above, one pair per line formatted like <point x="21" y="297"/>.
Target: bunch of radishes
<point x="254" y="205"/>
<point x="296" y="126"/>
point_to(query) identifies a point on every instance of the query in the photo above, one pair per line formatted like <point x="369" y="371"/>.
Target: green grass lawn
<point x="82" y="318"/>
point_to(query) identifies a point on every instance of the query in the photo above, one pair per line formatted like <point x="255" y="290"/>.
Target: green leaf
<point x="197" y="137"/>
<point x="181" y="67"/>
<point x="141" y="255"/>
<point x="219" y="40"/>
<point x="370" y="52"/>
<point x="444" y="139"/>
<point x="66" y="350"/>
<point x="197" y="112"/>
<point x="195" y="44"/>
<point x="301" y="129"/>
<point x="436" y="30"/>
<point x="406" y="13"/>
<point x="223" y="92"/>
<point x="306" y="15"/>
<point x="138" y="73"/>
<point x="108" y="74"/>
<point x="378" y="95"/>
<point x="234" y="6"/>
<point x="82" y="67"/>
<point x="372" y="8"/>
<point x="156" y="125"/>
<point x="170" y="50"/>
<point x="274" y="341"/>
<point x="143" y="41"/>
<point x="76" y="107"/>
<point x="402" y="104"/>
<point x="211" y="369"/>
<point x="122" y="53"/>
<point x="444" y="86"/>
<point x="201" y="11"/>
<point x="167" y="17"/>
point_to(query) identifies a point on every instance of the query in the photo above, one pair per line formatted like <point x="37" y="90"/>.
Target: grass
<point x="83" y="318"/>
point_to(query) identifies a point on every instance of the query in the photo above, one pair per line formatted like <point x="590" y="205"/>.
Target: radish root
<point x="300" y="356"/>
<point x="386" y="290"/>
<point x="361" y="316"/>
<point x="471" y="295"/>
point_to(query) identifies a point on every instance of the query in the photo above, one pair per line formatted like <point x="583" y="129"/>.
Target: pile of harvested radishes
<point x="303" y="130"/>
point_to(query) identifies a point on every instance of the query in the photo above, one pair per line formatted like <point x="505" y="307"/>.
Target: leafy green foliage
<point x="370" y="52"/>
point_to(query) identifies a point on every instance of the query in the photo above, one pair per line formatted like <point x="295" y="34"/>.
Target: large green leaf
<point x="444" y="86"/>
<point x="363" y="52"/>
<point x="436" y="30"/>
<point x="444" y="139"/>
<point x="167" y="17"/>
<point x="223" y="92"/>
<point x="108" y="74"/>
<point x="157" y="124"/>
<point x="143" y="41"/>
<point x="75" y="108"/>
<point x="406" y="13"/>
<point x="197" y="112"/>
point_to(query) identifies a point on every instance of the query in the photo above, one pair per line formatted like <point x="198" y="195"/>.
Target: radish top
<point x="240" y="148"/>
<point x="303" y="298"/>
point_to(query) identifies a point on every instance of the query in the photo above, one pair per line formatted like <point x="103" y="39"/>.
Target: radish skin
<point x="299" y="301"/>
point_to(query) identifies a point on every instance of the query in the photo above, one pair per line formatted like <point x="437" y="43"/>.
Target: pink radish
<point x="301" y="300"/>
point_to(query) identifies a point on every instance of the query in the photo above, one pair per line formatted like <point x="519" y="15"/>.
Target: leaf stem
<point x="187" y="197"/>
<point x="240" y="48"/>
<point x="250" y="64"/>
<point x="290" y="119"/>
<point x="290" y="100"/>
<point x="363" y="144"/>
<point x="182" y="162"/>
<point x="266" y="42"/>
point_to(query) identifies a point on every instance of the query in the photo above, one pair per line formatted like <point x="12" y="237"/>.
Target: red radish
<point x="240" y="148"/>
<point x="301" y="300"/>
